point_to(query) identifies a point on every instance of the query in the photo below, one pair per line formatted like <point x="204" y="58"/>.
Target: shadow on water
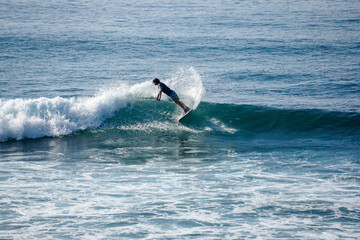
<point x="108" y="146"/>
<point x="45" y="149"/>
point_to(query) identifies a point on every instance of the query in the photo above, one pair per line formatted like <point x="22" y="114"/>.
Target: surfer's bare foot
<point x="186" y="110"/>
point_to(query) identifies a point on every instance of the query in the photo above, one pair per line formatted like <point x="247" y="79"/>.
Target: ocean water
<point x="271" y="151"/>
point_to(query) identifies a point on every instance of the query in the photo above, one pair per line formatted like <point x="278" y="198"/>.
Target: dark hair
<point x="156" y="80"/>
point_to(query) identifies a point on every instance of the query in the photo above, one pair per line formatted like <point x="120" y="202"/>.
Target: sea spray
<point x="187" y="83"/>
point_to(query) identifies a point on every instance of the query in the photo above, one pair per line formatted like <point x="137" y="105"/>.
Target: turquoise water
<point x="271" y="151"/>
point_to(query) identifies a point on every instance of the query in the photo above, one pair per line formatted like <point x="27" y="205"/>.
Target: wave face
<point x="257" y="120"/>
<point x="241" y="121"/>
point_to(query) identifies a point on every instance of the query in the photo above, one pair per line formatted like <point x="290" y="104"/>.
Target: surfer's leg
<point x="176" y="99"/>
<point x="181" y="104"/>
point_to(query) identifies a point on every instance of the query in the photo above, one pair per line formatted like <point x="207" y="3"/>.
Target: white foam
<point x="156" y="126"/>
<point x="222" y="127"/>
<point x="34" y="118"/>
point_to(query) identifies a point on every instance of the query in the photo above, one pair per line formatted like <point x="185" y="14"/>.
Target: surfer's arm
<point x="159" y="94"/>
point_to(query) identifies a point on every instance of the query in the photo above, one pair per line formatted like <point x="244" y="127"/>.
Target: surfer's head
<point x="156" y="81"/>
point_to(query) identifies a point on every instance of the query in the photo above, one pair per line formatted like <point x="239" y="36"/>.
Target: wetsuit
<point x="168" y="91"/>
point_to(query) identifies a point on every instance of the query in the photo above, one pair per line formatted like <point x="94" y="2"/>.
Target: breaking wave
<point x="34" y="118"/>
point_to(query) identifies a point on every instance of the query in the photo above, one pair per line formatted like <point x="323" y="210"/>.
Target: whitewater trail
<point x="34" y="118"/>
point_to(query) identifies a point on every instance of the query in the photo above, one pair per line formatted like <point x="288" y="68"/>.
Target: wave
<point x="113" y="110"/>
<point x="129" y="108"/>
<point x="40" y="117"/>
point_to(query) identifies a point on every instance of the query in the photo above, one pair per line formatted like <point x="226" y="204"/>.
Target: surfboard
<point x="186" y="114"/>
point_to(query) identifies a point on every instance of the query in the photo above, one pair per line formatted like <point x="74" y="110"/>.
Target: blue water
<point x="271" y="151"/>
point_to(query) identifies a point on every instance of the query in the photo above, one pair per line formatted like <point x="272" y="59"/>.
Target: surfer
<point x="170" y="93"/>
